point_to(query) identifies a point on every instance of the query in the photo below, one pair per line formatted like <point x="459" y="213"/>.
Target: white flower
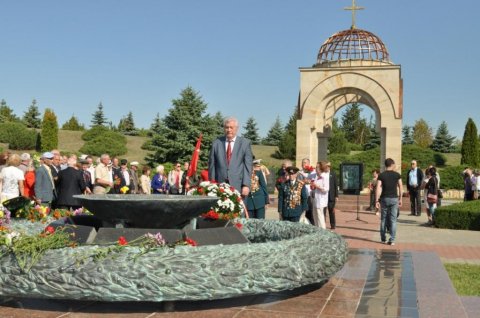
<point x="10" y="237"/>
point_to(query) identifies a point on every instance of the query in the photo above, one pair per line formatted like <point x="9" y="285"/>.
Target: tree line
<point x="172" y="138"/>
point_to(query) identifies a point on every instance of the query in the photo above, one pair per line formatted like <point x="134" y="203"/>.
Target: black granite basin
<point x="146" y="211"/>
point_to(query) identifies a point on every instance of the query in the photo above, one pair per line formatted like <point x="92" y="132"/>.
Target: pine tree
<point x="99" y="118"/>
<point x="351" y="123"/>
<point x="287" y="149"/>
<point x="251" y="131"/>
<point x="422" y="134"/>
<point x="443" y="142"/>
<point x="73" y="124"/>
<point x="275" y="134"/>
<point x="407" y="137"/>
<point x="6" y="113"/>
<point x="470" y="145"/>
<point x="180" y="128"/>
<point x="127" y="126"/>
<point x="374" y="139"/>
<point x="49" y="135"/>
<point x="31" y="116"/>
<point x="156" y="126"/>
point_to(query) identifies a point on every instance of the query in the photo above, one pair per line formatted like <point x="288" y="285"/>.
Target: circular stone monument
<point x="281" y="256"/>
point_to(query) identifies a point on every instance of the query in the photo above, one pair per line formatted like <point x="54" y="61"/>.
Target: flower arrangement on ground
<point x="229" y="204"/>
<point x="35" y="212"/>
<point x="4" y="217"/>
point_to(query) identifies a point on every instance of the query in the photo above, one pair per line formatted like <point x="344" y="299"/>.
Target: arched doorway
<point x="346" y="74"/>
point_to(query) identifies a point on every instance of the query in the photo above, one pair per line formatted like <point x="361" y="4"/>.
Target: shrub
<point x="94" y="132"/>
<point x="104" y="144"/>
<point x="459" y="216"/>
<point x="24" y="140"/>
<point x="424" y="157"/>
<point x="17" y="135"/>
<point x="8" y="131"/>
<point x="355" y="147"/>
<point x="452" y="178"/>
<point x="104" y="132"/>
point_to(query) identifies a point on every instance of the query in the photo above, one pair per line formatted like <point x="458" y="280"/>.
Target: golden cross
<point x="353" y="8"/>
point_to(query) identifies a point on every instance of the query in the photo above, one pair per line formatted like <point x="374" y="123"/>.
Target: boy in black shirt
<point x="389" y="198"/>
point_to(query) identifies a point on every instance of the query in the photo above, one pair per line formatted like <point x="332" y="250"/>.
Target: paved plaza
<point x="406" y="280"/>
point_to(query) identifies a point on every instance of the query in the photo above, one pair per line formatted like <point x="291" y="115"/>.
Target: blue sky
<point x="242" y="56"/>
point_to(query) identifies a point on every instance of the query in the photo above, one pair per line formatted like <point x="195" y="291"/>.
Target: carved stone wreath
<point x="282" y="256"/>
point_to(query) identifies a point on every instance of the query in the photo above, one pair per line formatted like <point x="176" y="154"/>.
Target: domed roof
<point x="353" y="44"/>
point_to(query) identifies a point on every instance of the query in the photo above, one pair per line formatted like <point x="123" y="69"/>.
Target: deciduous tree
<point x="422" y="134"/>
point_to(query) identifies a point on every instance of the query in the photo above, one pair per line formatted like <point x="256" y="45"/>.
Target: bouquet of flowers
<point x="309" y="169"/>
<point x="4" y="217"/>
<point x="229" y="204"/>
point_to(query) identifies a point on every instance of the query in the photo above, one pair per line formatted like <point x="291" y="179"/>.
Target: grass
<point x="465" y="278"/>
<point x="265" y="153"/>
<point x="69" y="140"/>
<point x="453" y="159"/>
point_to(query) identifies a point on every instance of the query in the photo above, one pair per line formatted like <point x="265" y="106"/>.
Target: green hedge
<point x="459" y="216"/>
<point x="98" y="131"/>
<point x="424" y="157"/>
<point x="104" y="144"/>
<point x="18" y="136"/>
<point x="452" y="178"/>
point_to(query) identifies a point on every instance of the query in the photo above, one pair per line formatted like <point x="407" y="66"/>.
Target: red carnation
<point x="191" y="242"/>
<point x="50" y="230"/>
<point x="239" y="225"/>
<point x="122" y="240"/>
<point x="200" y="190"/>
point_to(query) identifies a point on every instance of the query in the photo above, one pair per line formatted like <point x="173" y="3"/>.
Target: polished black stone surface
<point x="146" y="211"/>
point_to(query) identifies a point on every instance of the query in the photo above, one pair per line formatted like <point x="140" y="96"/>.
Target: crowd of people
<point x="307" y="194"/>
<point x="54" y="179"/>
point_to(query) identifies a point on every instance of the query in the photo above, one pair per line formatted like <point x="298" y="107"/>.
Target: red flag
<point x="193" y="164"/>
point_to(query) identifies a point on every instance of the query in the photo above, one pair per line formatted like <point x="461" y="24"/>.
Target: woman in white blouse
<point x="320" y="185"/>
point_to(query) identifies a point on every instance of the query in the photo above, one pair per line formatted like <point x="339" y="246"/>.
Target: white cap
<point x="25" y="156"/>
<point x="134" y="163"/>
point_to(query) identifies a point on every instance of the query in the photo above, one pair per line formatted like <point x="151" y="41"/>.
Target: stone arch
<point x="325" y="90"/>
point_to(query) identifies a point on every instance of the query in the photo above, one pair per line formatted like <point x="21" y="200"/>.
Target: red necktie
<point x="229" y="152"/>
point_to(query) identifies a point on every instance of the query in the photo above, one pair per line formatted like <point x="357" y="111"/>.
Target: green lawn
<point x="465" y="278"/>
<point x="265" y="153"/>
<point x="453" y="159"/>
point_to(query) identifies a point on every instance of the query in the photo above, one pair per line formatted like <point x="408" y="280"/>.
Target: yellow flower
<point x="1" y="214"/>
<point x="124" y="189"/>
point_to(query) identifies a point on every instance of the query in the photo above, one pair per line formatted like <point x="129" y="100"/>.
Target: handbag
<point x="432" y="198"/>
<point x="440" y="194"/>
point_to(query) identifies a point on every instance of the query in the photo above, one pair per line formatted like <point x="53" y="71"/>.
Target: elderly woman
<point x="320" y="185"/>
<point x="160" y="182"/>
<point x="11" y="179"/>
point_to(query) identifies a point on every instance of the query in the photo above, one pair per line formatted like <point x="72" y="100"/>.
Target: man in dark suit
<point x="414" y="181"/>
<point x="44" y="184"/>
<point x="70" y="182"/>
<point x="231" y="158"/>
<point x="332" y="196"/>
